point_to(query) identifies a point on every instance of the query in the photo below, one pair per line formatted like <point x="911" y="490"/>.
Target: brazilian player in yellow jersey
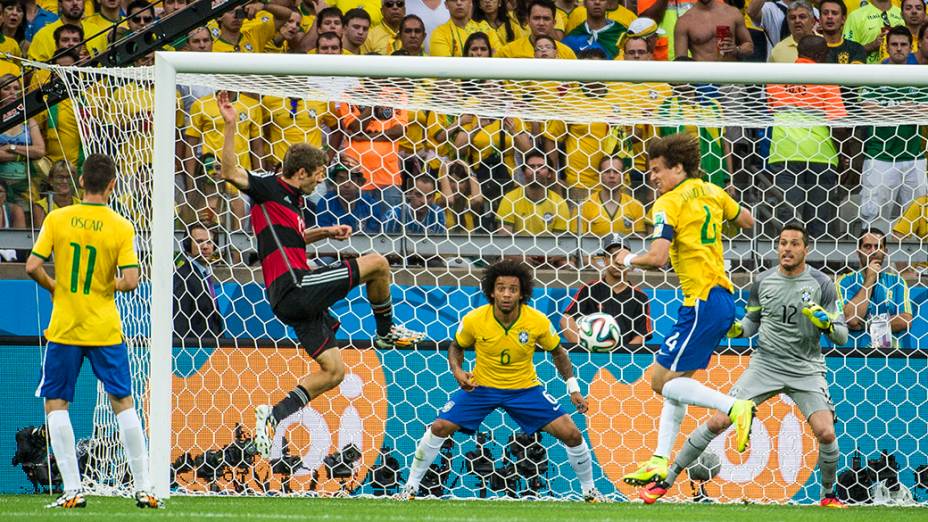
<point x="90" y="243"/>
<point x="504" y="335"/>
<point x="688" y="216"/>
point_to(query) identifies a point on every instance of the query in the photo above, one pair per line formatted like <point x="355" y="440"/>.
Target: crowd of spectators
<point x="422" y="172"/>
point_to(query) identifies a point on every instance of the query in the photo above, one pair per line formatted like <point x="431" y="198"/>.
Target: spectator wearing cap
<point x="800" y="19"/>
<point x="345" y="204"/>
<point x="869" y="24"/>
<point x="647" y="30"/>
<point x="448" y="39"/>
<point x="383" y="38"/>
<point x="596" y="32"/>
<point x="611" y="294"/>
<point x="610" y="209"/>
<point x="541" y="16"/>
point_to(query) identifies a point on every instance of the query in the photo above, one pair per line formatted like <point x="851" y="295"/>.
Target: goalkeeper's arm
<point x="229" y="168"/>
<point x="831" y="325"/>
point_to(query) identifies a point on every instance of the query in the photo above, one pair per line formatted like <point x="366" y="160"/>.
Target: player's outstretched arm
<point x="229" y="168"/>
<point x="657" y="255"/>
<point x="340" y="232"/>
<point x="566" y="370"/>
<point x="128" y="281"/>
<point x="35" y="268"/>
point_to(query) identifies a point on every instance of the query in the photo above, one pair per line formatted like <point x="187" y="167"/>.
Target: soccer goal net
<point x="447" y="165"/>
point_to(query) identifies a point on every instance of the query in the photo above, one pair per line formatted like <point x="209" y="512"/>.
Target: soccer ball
<point x="599" y="332"/>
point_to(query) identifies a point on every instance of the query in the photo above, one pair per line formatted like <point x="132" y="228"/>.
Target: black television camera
<point x="479" y="462"/>
<point x="341" y="464"/>
<point x="385" y="476"/>
<point x="530" y="460"/>
<point x="854" y="484"/>
<point x="32" y="455"/>
<point x="232" y="462"/>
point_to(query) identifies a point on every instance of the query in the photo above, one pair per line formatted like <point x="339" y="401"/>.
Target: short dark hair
<point x="546" y="37"/>
<point x="302" y="156"/>
<point x="98" y="171"/>
<point x="329" y="12"/>
<point x="188" y="244"/>
<point x="875" y="231"/>
<point x="479" y="35"/>
<point x="66" y="53"/>
<point x="813" y="47"/>
<point x="591" y="53"/>
<point x="677" y="149"/>
<point x="67" y="28"/>
<point x="841" y="5"/>
<point x="508" y="268"/>
<point x="411" y="17"/>
<point x="797" y="227"/>
<point x="140" y="5"/>
<point x="328" y="35"/>
<point x="357" y="12"/>
<point x="534" y="153"/>
<point x="547" y="4"/>
<point x="899" y="30"/>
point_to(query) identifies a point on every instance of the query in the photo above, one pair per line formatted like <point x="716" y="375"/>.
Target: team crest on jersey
<point x="547" y="217"/>
<point x="627" y="222"/>
<point x="215" y="32"/>
<point x="249" y="47"/>
<point x="242" y="117"/>
<point x="805" y="295"/>
<point x="312" y="113"/>
<point x="844" y="57"/>
<point x="523" y="337"/>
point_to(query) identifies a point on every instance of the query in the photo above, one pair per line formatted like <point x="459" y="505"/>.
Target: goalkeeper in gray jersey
<point x="790" y="307"/>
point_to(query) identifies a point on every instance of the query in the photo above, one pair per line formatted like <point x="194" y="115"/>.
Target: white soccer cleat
<point x="144" y="499"/>
<point x="264" y="429"/>
<point x="69" y="500"/>
<point x="593" y="496"/>
<point x="399" y="337"/>
<point x="407" y="493"/>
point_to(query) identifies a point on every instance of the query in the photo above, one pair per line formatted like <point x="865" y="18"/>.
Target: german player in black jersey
<point x="301" y="296"/>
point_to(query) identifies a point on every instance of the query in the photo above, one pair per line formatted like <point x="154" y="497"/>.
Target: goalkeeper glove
<point x="817" y="316"/>
<point x="736" y="330"/>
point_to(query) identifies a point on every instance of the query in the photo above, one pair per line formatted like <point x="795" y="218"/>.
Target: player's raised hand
<point x="817" y="316"/>
<point x="580" y="402"/>
<point x="227" y="108"/>
<point x="465" y="380"/>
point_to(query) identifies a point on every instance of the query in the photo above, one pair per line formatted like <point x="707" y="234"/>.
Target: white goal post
<point x="169" y="65"/>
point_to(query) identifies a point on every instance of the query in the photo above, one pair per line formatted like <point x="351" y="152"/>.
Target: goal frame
<point x="169" y="64"/>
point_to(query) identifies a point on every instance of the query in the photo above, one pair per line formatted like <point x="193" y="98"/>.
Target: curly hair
<point x="508" y="268"/>
<point x="677" y="149"/>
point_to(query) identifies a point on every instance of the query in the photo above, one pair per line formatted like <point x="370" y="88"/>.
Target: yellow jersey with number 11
<point x="691" y="216"/>
<point x="505" y="353"/>
<point x="89" y="242"/>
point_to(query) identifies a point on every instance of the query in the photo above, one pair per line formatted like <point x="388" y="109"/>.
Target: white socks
<point x="62" y="436"/>
<point x="133" y="440"/>
<point x="690" y="391"/>
<point x="582" y="462"/>
<point x="426" y="451"/>
<point x="671" y="417"/>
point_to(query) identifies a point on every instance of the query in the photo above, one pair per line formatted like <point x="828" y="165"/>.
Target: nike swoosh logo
<point x="582" y="462"/>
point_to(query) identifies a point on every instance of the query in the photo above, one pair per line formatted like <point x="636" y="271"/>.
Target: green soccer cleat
<point x="742" y="416"/>
<point x="653" y="470"/>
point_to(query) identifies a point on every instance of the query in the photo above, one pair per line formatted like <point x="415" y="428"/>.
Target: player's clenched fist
<point x="465" y="380"/>
<point x="817" y="316"/>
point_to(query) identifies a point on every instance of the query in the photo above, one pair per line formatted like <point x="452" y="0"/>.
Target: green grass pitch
<point x="30" y="508"/>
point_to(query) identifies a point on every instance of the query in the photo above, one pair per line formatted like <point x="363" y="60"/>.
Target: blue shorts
<point x="62" y="364"/>
<point x="698" y="332"/>
<point x="531" y="408"/>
